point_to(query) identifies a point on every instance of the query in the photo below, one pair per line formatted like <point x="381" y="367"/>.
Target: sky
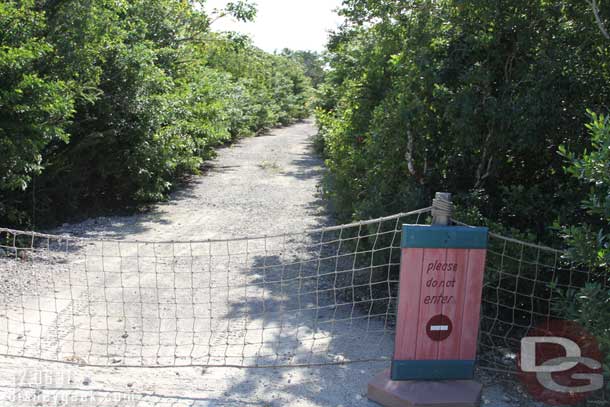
<point x="294" y="24"/>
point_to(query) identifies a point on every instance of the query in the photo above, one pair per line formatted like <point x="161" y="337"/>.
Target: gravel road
<point x="266" y="185"/>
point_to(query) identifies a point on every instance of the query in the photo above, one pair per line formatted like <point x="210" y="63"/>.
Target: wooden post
<point x="442" y="209"/>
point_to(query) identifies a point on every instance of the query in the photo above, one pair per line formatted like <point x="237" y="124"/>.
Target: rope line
<point x="296" y="299"/>
<point x="33" y="234"/>
<point x="325" y="296"/>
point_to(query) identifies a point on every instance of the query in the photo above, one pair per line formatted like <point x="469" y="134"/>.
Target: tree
<point x="312" y="62"/>
<point x="35" y="106"/>
<point x="111" y="103"/>
<point x="471" y="97"/>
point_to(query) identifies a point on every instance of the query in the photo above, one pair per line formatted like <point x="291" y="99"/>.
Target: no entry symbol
<point x="439" y="327"/>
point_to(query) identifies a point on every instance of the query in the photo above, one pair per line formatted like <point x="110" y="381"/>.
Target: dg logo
<point x="560" y="363"/>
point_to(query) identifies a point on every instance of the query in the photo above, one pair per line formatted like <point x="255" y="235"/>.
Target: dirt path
<point x="260" y="186"/>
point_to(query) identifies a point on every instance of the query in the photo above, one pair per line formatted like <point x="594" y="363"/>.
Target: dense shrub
<point x="35" y="105"/>
<point x="469" y="97"/>
<point x="589" y="241"/>
<point x="110" y="103"/>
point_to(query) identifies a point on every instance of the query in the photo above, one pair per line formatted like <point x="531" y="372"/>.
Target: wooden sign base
<point x="449" y="393"/>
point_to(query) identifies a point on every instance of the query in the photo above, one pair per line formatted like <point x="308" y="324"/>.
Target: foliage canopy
<point x="469" y="97"/>
<point x="106" y="103"/>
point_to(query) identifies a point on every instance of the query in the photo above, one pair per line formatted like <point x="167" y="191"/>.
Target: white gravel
<point x="263" y="185"/>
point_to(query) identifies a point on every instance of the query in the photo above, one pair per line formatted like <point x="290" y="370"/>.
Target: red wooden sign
<point x="441" y="280"/>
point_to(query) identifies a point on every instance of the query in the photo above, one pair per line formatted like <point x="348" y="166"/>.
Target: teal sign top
<point x="444" y="237"/>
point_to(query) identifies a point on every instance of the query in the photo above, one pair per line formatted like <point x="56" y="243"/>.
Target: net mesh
<point x="525" y="285"/>
<point x="298" y="299"/>
<point x="294" y="299"/>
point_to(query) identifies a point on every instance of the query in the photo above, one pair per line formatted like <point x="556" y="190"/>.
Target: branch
<point x="411" y="162"/>
<point x="600" y="24"/>
<point x="480" y="176"/>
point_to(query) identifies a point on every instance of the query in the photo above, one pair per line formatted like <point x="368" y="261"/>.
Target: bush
<point x="469" y="97"/>
<point x="589" y="241"/>
<point x="35" y="106"/>
<point x="111" y="103"/>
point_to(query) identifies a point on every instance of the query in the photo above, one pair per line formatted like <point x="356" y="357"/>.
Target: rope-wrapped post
<point x="442" y="209"/>
<point x="439" y="300"/>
